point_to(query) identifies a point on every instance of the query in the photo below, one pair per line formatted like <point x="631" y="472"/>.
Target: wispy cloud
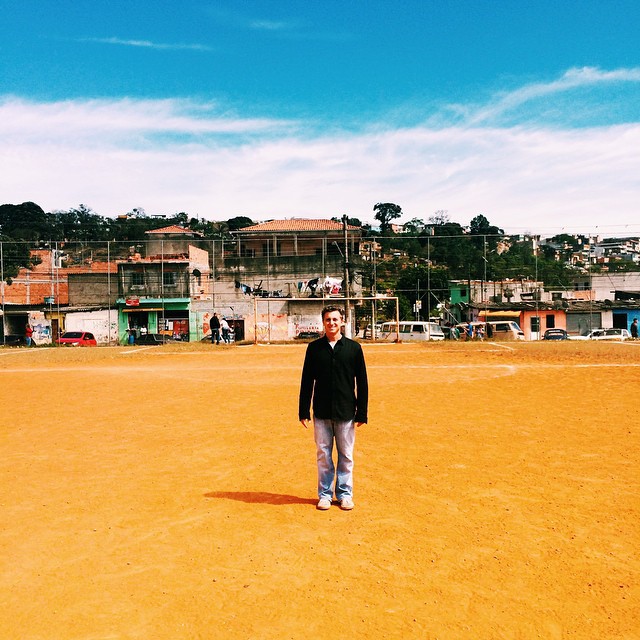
<point x="148" y="44"/>
<point x="125" y="122"/>
<point x="271" y="25"/>
<point x="506" y="103"/>
<point x="291" y="28"/>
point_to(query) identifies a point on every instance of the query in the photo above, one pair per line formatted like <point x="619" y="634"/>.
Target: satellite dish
<point x="196" y="273"/>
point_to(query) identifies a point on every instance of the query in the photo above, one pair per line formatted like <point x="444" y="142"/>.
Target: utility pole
<point x="347" y="293"/>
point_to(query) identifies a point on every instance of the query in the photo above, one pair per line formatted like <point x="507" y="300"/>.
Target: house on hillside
<point x="297" y="237"/>
<point x="168" y="290"/>
<point x="606" y="286"/>
<point x="41" y="296"/>
<point x="274" y="277"/>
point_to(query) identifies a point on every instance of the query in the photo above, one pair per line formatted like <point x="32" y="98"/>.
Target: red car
<point x="77" y="339"/>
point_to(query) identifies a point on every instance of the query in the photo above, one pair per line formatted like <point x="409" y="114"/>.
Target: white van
<point x="411" y="331"/>
<point x="506" y="330"/>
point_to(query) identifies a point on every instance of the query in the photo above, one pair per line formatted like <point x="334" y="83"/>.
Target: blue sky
<point x="525" y="112"/>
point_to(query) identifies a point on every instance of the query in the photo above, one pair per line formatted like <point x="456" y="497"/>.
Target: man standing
<point x="634" y="329"/>
<point x="215" y="329"/>
<point x="335" y="376"/>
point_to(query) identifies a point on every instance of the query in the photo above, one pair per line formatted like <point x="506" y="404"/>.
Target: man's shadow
<point x="259" y="497"/>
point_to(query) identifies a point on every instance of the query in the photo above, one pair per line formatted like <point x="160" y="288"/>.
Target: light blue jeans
<point x="344" y="434"/>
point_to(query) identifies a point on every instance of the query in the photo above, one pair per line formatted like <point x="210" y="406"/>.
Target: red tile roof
<point x="297" y="224"/>
<point x="174" y="228"/>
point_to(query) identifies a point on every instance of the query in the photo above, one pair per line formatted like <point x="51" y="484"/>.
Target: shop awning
<point x="499" y="314"/>
<point x="140" y="309"/>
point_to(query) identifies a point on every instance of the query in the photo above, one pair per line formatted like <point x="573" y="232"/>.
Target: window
<point x="169" y="278"/>
<point x="137" y="278"/>
<point x="535" y="324"/>
<point x="551" y="321"/>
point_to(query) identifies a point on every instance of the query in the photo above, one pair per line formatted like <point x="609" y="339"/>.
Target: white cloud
<point x="506" y="102"/>
<point x="147" y="44"/>
<point x="123" y="122"/>
<point x="270" y="25"/>
<point x="168" y="156"/>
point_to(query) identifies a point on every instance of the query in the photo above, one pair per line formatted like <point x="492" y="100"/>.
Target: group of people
<point x="220" y="326"/>
<point x="476" y="332"/>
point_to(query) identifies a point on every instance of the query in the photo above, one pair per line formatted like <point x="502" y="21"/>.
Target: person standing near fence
<point x="334" y="375"/>
<point x="225" y="330"/>
<point x="215" y="329"/>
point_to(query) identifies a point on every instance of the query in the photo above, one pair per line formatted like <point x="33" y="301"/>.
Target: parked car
<point x="368" y="334"/>
<point x="605" y="334"/>
<point x="148" y="339"/>
<point x="12" y="340"/>
<point x="308" y="335"/>
<point x="555" y="334"/>
<point x="77" y="339"/>
<point x="411" y="331"/>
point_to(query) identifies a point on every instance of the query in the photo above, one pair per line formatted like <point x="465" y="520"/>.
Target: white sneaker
<point x="347" y="504"/>
<point x="323" y="504"/>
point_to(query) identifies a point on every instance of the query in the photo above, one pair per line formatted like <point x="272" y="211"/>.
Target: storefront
<point x="138" y="316"/>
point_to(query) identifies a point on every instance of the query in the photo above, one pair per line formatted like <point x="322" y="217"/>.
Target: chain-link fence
<point x="272" y="287"/>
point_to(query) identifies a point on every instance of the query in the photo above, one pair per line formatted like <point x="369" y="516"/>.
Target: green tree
<point x="480" y="226"/>
<point x="448" y="245"/>
<point x="16" y="254"/>
<point x="429" y="285"/>
<point x="385" y="213"/>
<point x="26" y="221"/>
<point x="414" y="226"/>
<point x="79" y="223"/>
<point x="239" y="222"/>
<point x="181" y="219"/>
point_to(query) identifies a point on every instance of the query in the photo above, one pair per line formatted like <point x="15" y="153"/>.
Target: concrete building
<point x="168" y="290"/>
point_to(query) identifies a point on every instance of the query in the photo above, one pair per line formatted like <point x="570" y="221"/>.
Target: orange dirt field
<point x="169" y="493"/>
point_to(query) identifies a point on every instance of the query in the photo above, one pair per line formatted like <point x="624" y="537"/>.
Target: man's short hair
<point x="331" y="308"/>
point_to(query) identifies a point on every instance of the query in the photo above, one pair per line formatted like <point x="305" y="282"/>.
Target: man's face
<point x="332" y="322"/>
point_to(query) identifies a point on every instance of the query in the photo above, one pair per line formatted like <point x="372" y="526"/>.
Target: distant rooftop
<point x="174" y="229"/>
<point x="297" y="224"/>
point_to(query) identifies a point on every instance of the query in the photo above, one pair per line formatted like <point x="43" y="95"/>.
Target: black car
<point x="147" y="339"/>
<point x="555" y="334"/>
<point x="308" y="335"/>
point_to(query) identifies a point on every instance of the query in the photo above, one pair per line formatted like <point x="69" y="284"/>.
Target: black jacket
<point x="332" y="376"/>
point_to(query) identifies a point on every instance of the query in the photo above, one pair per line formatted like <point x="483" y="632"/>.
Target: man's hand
<point x="305" y="423"/>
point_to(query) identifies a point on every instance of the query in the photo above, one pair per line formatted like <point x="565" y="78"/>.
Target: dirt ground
<point x="169" y="493"/>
